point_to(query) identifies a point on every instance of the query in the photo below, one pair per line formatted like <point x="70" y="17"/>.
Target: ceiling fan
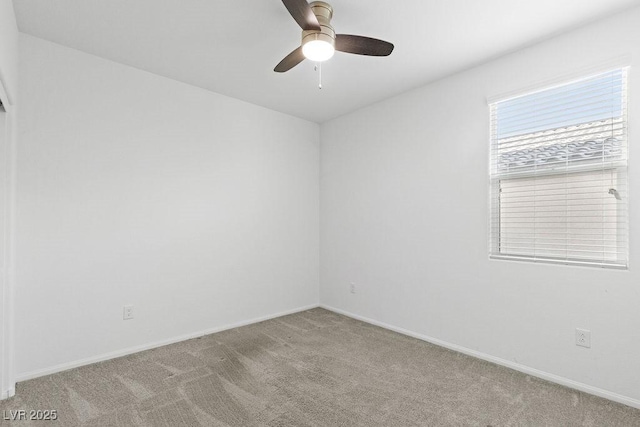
<point x="320" y="41"/>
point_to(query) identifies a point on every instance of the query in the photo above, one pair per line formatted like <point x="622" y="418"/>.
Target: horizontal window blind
<point x="558" y="167"/>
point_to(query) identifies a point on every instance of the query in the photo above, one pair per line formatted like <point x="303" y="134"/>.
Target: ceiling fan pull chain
<point x="318" y="68"/>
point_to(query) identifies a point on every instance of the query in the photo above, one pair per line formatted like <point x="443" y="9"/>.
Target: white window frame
<point x="496" y="179"/>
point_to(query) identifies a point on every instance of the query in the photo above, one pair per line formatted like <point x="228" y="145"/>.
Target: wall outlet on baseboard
<point x="127" y="312"/>
<point x="583" y="338"/>
<point x="352" y="287"/>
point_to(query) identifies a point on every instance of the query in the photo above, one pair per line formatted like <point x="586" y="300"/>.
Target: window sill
<point x="559" y="261"/>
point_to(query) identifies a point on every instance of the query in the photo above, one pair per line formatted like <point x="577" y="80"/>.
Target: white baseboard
<point x="149" y="346"/>
<point x="8" y="393"/>
<point x="635" y="403"/>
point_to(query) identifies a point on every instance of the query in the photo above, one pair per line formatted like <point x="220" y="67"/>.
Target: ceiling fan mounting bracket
<point x="322" y="10"/>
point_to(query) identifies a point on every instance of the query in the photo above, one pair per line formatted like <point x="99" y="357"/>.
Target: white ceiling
<point x="232" y="46"/>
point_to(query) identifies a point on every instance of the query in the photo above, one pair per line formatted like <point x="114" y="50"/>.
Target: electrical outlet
<point x="583" y="338"/>
<point x="352" y="288"/>
<point x="127" y="312"/>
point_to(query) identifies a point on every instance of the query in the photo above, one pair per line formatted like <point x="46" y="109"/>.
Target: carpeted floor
<point x="314" y="368"/>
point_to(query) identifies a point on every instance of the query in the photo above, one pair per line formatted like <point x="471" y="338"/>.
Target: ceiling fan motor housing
<point x="324" y="13"/>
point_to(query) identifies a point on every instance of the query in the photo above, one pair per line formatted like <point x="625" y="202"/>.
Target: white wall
<point x="7" y="386"/>
<point x="8" y="94"/>
<point x="8" y="49"/>
<point x="198" y="209"/>
<point x="404" y="215"/>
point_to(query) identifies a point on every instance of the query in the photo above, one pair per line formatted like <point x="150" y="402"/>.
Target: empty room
<point x="308" y="213"/>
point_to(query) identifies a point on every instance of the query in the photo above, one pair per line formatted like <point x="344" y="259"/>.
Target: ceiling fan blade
<point x="290" y="61"/>
<point x="302" y="13"/>
<point x="361" y="45"/>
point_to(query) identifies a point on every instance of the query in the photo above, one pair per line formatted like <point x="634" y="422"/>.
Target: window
<point x="558" y="171"/>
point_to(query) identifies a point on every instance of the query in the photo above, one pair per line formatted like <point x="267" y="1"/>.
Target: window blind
<point x="558" y="174"/>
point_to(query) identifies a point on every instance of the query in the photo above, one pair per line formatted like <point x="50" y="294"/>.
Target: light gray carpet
<point x="314" y="368"/>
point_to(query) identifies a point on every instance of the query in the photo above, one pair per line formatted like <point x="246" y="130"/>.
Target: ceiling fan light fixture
<point x="318" y="50"/>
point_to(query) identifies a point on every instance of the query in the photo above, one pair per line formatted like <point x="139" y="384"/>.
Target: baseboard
<point x="149" y="346"/>
<point x="498" y="361"/>
<point x="8" y="393"/>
